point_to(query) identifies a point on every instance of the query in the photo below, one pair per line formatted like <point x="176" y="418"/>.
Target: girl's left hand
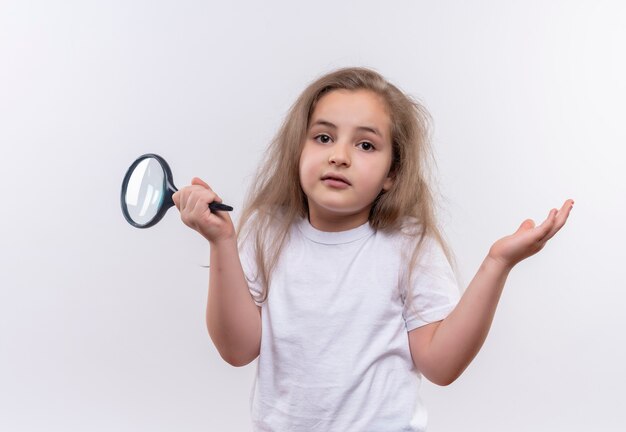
<point x="528" y="239"/>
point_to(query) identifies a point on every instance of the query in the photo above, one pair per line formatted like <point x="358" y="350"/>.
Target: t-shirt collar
<point x="337" y="237"/>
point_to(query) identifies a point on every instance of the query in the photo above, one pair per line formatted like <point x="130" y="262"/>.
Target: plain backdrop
<point x="102" y="325"/>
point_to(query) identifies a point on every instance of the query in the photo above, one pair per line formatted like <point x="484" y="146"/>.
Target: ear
<point x="388" y="182"/>
<point x="391" y="176"/>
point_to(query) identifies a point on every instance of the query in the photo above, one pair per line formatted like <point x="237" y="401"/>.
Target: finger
<point x="201" y="208"/>
<point x="187" y="197"/>
<point x="176" y="199"/>
<point x="200" y="182"/>
<point x="198" y="194"/>
<point x="561" y="218"/>
<point x="564" y="212"/>
<point x="549" y="220"/>
<point x="527" y="225"/>
<point x="183" y="198"/>
<point x="546" y="226"/>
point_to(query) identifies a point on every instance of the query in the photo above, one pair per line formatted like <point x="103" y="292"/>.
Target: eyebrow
<point x="364" y="128"/>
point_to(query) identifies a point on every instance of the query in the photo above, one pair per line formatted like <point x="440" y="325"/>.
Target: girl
<point x="337" y="277"/>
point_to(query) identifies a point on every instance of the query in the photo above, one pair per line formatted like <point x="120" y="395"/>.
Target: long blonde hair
<point x="275" y="199"/>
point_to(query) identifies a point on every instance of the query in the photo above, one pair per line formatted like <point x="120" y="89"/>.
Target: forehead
<point x="352" y="109"/>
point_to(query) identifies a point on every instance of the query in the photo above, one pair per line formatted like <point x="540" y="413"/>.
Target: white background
<point x="102" y="325"/>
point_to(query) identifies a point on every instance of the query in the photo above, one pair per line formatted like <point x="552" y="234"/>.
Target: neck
<point x="337" y="223"/>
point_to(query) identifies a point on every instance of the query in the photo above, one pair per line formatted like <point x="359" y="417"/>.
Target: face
<point x="346" y="158"/>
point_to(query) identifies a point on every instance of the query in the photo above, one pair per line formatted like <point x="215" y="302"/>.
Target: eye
<point x="367" y="146"/>
<point x="323" y="135"/>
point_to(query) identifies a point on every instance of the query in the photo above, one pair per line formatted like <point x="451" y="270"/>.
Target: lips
<point x="337" y="177"/>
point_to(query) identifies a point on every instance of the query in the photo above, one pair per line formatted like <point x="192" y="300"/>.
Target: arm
<point x="232" y="318"/>
<point x="443" y="350"/>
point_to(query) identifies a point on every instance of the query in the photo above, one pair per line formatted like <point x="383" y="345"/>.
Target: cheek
<point x="372" y="185"/>
<point x="307" y="169"/>
<point x="375" y="177"/>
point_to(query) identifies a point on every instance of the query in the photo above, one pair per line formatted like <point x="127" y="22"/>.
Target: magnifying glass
<point x="147" y="191"/>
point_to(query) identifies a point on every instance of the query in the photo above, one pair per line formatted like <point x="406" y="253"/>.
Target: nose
<point x="339" y="155"/>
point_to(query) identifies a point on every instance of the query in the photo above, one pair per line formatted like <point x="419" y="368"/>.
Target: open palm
<point x="529" y="239"/>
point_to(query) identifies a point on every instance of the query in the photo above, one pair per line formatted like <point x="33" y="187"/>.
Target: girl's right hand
<point x="193" y="204"/>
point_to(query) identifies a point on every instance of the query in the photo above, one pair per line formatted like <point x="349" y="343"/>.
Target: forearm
<point x="233" y="319"/>
<point x="462" y="333"/>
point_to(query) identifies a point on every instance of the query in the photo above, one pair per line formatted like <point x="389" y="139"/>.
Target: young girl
<point x="337" y="277"/>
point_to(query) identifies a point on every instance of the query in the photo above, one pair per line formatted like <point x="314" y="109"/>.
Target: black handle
<point x="215" y="206"/>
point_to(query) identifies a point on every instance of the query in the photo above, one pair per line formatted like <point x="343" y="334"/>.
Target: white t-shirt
<point x="335" y="352"/>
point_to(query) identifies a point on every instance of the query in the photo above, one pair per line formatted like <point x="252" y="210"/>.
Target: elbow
<point x="443" y="382"/>
<point x="237" y="359"/>
<point x="236" y="364"/>
<point x="240" y="362"/>
<point x="443" y="373"/>
<point x="443" y="379"/>
<point x="239" y="349"/>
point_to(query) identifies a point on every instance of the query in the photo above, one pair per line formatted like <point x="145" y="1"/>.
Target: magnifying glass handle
<point x="215" y="206"/>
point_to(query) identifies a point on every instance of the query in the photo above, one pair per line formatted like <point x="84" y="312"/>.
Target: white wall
<point x="102" y="325"/>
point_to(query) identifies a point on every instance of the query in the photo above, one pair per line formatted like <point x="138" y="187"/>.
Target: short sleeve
<point x="434" y="288"/>
<point x="247" y="257"/>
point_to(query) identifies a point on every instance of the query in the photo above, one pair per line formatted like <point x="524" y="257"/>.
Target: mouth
<point x="332" y="178"/>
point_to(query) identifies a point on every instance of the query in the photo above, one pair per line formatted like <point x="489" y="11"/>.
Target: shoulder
<point x="407" y="231"/>
<point x="412" y="239"/>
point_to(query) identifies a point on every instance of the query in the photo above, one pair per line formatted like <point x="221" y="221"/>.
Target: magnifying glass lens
<point x="145" y="191"/>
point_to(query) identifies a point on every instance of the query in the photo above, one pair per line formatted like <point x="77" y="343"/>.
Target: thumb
<point x="527" y="224"/>
<point x="200" y="182"/>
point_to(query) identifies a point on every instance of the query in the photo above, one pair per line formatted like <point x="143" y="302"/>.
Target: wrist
<point x="498" y="264"/>
<point x="226" y="241"/>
